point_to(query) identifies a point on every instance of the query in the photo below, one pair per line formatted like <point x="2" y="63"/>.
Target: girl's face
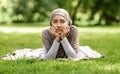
<point x="59" y="23"/>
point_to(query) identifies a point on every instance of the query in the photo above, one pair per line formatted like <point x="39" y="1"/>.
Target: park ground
<point x="105" y="40"/>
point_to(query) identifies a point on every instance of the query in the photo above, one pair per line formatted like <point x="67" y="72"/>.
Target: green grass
<point x="39" y="24"/>
<point x="104" y="40"/>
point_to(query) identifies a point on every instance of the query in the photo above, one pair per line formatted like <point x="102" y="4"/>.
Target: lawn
<point x="105" y="40"/>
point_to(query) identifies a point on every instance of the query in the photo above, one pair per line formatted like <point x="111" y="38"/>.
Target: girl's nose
<point x="58" y="25"/>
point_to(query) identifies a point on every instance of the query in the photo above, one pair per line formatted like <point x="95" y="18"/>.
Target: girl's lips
<point x="59" y="29"/>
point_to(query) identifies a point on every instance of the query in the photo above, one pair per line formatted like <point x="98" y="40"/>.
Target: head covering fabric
<point x="61" y="12"/>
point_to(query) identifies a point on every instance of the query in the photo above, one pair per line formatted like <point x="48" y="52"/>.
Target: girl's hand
<point x="53" y="31"/>
<point x="66" y="29"/>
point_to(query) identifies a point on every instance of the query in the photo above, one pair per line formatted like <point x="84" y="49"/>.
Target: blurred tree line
<point x="83" y="12"/>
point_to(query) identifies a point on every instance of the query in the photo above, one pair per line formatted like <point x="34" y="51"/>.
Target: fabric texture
<point x="68" y="49"/>
<point x="84" y="52"/>
<point x="72" y="36"/>
<point x="53" y="50"/>
<point x="61" y="12"/>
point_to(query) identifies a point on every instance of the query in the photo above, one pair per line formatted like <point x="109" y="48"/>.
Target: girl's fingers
<point x="68" y="29"/>
<point x="54" y="27"/>
<point x="52" y="30"/>
<point x="63" y="34"/>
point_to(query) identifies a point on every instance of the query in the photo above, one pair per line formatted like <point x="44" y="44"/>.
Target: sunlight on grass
<point x="7" y="29"/>
<point x="104" y="40"/>
<point x="20" y="30"/>
<point x="109" y="67"/>
<point x="100" y="30"/>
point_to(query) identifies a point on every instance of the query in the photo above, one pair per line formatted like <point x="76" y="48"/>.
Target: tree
<point x="109" y="10"/>
<point x="40" y="10"/>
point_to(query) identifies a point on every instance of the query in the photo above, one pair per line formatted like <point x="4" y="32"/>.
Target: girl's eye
<point x="55" y="21"/>
<point x="62" y="21"/>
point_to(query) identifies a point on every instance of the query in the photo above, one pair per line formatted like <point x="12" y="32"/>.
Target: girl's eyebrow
<point x="56" y="19"/>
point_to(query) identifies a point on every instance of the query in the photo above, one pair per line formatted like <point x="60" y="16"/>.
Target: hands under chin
<point x="65" y="30"/>
<point x="60" y="34"/>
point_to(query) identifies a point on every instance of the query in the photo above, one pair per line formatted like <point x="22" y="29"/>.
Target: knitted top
<point x="72" y="36"/>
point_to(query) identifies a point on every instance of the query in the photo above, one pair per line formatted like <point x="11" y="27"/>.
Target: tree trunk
<point x="74" y="13"/>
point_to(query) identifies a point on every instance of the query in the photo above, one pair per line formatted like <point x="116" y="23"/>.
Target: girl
<point x="60" y="40"/>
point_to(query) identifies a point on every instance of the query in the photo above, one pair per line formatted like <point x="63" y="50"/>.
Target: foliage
<point x="26" y="11"/>
<point x="108" y="10"/>
<point x="83" y="12"/>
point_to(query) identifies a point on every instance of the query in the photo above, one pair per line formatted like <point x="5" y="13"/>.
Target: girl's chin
<point x="59" y="33"/>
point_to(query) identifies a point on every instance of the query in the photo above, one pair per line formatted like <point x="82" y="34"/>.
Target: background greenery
<point x="83" y="12"/>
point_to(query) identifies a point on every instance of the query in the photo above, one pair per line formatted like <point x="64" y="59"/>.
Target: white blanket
<point x="85" y="52"/>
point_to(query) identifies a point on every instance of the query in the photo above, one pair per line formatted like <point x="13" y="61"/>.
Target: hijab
<point x="61" y="12"/>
